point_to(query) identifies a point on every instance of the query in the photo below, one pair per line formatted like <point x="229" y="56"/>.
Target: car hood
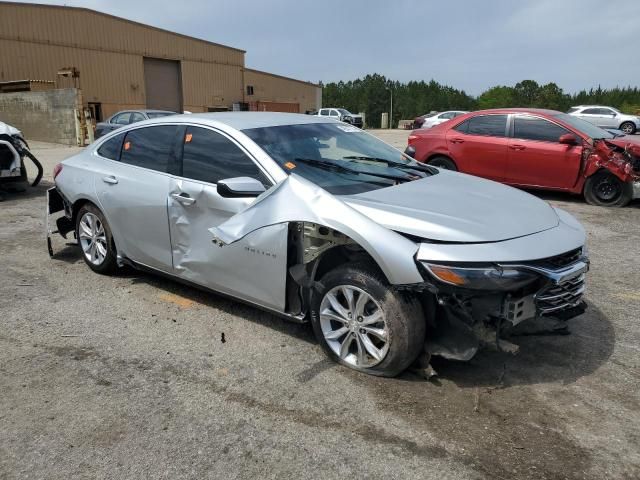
<point x="630" y="141"/>
<point x="454" y="207"/>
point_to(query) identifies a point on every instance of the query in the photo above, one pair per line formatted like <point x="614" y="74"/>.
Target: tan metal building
<point x="270" y="92"/>
<point x="126" y="65"/>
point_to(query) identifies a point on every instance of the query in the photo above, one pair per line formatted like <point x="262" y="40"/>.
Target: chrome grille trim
<point x="561" y="296"/>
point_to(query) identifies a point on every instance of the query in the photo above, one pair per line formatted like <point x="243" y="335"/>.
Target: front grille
<point x="561" y="296"/>
<point x="560" y="261"/>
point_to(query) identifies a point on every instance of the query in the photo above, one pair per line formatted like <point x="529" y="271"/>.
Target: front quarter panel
<point x="298" y="200"/>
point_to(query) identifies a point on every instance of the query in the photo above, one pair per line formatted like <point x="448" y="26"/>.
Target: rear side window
<point x="591" y="111"/>
<point x="532" y="128"/>
<point x="209" y="156"/>
<point x="150" y="147"/>
<point x="111" y="148"/>
<point x="122" y="119"/>
<point x="486" y="125"/>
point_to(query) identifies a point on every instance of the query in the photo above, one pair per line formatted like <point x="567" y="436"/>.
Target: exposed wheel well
<point x="336" y="256"/>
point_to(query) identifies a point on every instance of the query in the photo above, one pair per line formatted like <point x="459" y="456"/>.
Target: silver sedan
<point x="392" y="261"/>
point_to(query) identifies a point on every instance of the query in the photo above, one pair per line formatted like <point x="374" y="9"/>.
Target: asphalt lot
<point x="128" y="377"/>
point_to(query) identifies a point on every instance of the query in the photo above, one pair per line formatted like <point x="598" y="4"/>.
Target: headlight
<point x="348" y="118"/>
<point x="482" y="278"/>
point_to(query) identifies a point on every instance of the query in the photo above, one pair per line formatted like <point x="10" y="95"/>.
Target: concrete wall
<point x="47" y="116"/>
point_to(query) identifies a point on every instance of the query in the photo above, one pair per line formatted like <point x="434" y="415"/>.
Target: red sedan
<point x="536" y="148"/>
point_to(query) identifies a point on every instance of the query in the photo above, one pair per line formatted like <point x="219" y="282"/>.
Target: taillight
<point x="56" y="170"/>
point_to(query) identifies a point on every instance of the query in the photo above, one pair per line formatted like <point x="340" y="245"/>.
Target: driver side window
<point x="209" y="157"/>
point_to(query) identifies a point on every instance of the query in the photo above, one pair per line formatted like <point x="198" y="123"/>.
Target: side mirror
<point x="239" y="187"/>
<point x="568" y="139"/>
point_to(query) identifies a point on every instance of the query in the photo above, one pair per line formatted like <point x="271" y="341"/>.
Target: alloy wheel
<point x="93" y="238"/>
<point x="353" y="325"/>
<point x="627" y="128"/>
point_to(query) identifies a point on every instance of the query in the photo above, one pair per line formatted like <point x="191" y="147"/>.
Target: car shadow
<point x="541" y="359"/>
<point x="301" y="331"/>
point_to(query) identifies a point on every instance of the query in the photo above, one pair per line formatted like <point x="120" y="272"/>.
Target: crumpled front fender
<point x="607" y="156"/>
<point x="298" y="200"/>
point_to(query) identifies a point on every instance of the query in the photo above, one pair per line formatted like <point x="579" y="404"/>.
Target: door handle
<point x="183" y="198"/>
<point x="110" y="179"/>
<point x="517" y="147"/>
<point x="457" y="140"/>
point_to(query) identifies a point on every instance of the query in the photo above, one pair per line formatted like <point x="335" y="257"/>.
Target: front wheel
<point x="606" y="190"/>
<point x="628" y="127"/>
<point x="363" y="323"/>
<point x="443" y="162"/>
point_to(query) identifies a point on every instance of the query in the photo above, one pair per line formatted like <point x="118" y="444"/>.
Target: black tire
<point x="628" y="127"/>
<point x="606" y="190"/>
<point x="403" y="318"/>
<point x="443" y="162"/>
<point x="109" y="265"/>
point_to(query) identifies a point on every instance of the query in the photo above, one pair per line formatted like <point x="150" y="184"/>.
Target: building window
<point x="249" y="89"/>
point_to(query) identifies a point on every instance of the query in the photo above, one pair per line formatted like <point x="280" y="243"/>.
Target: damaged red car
<point x="535" y="148"/>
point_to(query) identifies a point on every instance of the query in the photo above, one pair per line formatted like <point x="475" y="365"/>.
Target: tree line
<point x="372" y="95"/>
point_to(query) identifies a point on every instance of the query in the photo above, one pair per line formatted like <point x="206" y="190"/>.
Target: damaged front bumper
<point x="468" y="319"/>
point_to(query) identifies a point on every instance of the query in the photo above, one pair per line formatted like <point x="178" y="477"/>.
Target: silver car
<point x="127" y="117"/>
<point x="607" y="117"/>
<point x="316" y="220"/>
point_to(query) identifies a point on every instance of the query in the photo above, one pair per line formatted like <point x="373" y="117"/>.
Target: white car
<point x="441" y="117"/>
<point x="607" y="117"/>
<point x="342" y="115"/>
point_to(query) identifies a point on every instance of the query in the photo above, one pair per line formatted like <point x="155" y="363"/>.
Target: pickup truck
<point x="342" y="115"/>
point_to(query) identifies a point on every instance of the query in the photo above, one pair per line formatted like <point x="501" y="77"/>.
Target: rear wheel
<point x="94" y="236"/>
<point x="363" y="323"/>
<point x="628" y="127"/>
<point x="443" y="162"/>
<point x="606" y="190"/>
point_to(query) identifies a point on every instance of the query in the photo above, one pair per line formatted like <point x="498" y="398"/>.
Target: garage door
<point x="162" y="84"/>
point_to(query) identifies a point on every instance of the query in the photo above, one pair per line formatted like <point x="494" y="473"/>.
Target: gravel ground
<point x="128" y="377"/>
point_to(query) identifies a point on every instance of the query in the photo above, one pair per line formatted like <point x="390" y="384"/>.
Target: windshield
<point x="343" y="111"/>
<point x="584" y="126"/>
<point x="159" y="114"/>
<point x="342" y="159"/>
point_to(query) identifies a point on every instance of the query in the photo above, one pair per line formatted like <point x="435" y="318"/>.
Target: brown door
<point x="162" y="84"/>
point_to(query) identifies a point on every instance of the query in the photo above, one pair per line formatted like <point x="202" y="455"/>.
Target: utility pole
<point x="391" y="109"/>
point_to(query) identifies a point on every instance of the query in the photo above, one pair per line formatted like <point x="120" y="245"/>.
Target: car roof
<point x="246" y="120"/>
<point x="149" y="110"/>
<point x="538" y="111"/>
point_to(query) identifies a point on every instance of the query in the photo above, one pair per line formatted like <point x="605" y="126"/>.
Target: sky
<point x="470" y="45"/>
